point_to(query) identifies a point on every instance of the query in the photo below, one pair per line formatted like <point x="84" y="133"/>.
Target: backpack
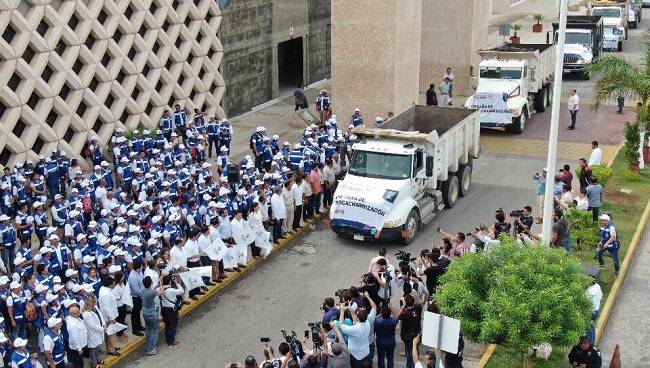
<point x="87" y="204"/>
<point x="30" y="312"/>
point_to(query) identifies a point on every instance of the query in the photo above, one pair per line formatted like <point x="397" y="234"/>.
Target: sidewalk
<point x="629" y="323"/>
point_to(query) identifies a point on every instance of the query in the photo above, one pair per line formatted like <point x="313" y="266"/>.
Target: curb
<point x="608" y="307"/>
<point x="136" y="342"/>
<point x="611" y="161"/>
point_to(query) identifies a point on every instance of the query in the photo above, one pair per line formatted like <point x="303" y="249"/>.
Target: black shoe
<point x="194" y="297"/>
<point x="138" y="333"/>
<point x="569" y="128"/>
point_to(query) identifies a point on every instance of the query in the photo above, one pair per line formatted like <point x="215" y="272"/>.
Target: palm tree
<point x="620" y="76"/>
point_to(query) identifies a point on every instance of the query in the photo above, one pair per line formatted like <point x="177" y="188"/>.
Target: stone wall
<point x="70" y="69"/>
<point x="251" y="31"/>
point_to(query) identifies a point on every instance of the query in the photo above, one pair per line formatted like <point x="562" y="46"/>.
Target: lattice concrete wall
<point x="69" y="69"/>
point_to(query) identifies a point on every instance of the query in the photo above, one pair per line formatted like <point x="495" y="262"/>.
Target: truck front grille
<point x="571" y="58"/>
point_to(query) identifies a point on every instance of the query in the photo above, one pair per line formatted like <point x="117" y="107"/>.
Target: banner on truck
<point x="366" y="206"/>
<point x="493" y="107"/>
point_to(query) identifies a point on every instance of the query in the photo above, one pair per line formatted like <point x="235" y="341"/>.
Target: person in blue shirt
<point x="213" y="136"/>
<point x="166" y="125"/>
<point x="356" y="120"/>
<point x="180" y="122"/>
<point x="16" y="304"/>
<point x="385" y="325"/>
<point x="225" y="133"/>
<point x="8" y="235"/>
<point x="20" y="357"/>
<point x="52" y="177"/>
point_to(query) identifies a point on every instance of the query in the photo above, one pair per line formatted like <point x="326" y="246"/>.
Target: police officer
<point x="585" y="355"/>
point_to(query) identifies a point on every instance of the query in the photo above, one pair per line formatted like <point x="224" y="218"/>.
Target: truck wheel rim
<point x="522" y="121"/>
<point x="466" y="180"/>
<point x="411" y="227"/>
<point x="454" y="193"/>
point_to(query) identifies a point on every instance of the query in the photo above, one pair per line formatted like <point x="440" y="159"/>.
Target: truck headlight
<point x="391" y="223"/>
<point x="515" y="113"/>
<point x="580" y="60"/>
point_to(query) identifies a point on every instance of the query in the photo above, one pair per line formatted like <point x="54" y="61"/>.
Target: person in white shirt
<point x="595" y="295"/>
<point x="449" y="75"/>
<point x="101" y="194"/>
<point x="239" y="225"/>
<point x="298" y="199"/>
<point x="108" y="308"/>
<point x="307" y="193"/>
<point x="596" y="155"/>
<point x="77" y="337"/>
<point x="95" y="328"/>
<point x="177" y="255"/>
<point x="573" y="106"/>
<point x="289" y="204"/>
<point x="255" y="223"/>
<point x="279" y="213"/>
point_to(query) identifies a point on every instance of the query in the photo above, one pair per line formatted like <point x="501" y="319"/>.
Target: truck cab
<point x="404" y="171"/>
<point x="614" y="15"/>
<point x="612" y="37"/>
<point x="507" y="77"/>
<point x="578" y="51"/>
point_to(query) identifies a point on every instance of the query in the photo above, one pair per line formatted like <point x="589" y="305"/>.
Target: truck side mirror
<point x="429" y="166"/>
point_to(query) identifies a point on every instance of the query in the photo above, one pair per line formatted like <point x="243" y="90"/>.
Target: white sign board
<point x="363" y="206"/>
<point x="493" y="107"/>
<point x="450" y="330"/>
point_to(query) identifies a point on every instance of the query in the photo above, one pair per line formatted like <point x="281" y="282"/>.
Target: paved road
<point x="286" y="291"/>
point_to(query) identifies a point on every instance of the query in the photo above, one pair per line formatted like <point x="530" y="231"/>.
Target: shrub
<point x="631" y="176"/>
<point x="602" y="173"/>
<point x="584" y="231"/>
<point x="520" y="296"/>
<point x="632" y="144"/>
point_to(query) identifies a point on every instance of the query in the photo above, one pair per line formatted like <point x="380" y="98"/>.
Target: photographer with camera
<point x="385" y="276"/>
<point x="523" y="219"/>
<point x="433" y="271"/>
<point x="370" y="285"/>
<point x="170" y="304"/>
<point x="487" y="238"/>
<point x="501" y="226"/>
<point x="330" y="310"/>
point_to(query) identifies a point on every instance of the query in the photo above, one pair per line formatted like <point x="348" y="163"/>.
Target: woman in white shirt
<point x="96" y="327"/>
<point x="118" y="291"/>
<point x="255" y="222"/>
<point x="298" y="199"/>
<point x="108" y="308"/>
<point x="582" y="203"/>
<point x="204" y="243"/>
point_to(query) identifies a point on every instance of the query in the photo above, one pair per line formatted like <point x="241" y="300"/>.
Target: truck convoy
<point x="404" y="171"/>
<point x="584" y="42"/>
<point x="615" y="18"/>
<point x="515" y="80"/>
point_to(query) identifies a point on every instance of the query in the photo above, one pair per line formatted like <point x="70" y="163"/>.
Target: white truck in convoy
<point x="514" y="82"/>
<point x="584" y="42"/>
<point x="404" y="171"/>
<point x="615" y="17"/>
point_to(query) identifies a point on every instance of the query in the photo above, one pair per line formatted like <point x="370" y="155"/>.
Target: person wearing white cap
<point x="356" y="120"/>
<point x="59" y="211"/>
<point x="61" y="256"/>
<point x="16" y="304"/>
<point x="77" y="336"/>
<point x="21" y="357"/>
<point x="41" y="222"/>
<point x="53" y="344"/>
<point x="608" y="242"/>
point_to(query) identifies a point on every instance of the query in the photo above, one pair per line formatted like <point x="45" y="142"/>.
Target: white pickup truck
<point x="406" y="170"/>
<point x="514" y="82"/>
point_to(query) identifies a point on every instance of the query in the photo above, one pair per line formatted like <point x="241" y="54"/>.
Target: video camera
<point x="294" y="344"/>
<point x="516" y="213"/>
<point x="314" y="328"/>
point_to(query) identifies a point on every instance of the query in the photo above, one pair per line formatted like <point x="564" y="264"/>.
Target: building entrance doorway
<point x="290" y="65"/>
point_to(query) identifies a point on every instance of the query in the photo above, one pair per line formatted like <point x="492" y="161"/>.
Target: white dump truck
<point x="584" y="42"/>
<point x="406" y="170"/>
<point x="514" y="82"/>
<point x="615" y="16"/>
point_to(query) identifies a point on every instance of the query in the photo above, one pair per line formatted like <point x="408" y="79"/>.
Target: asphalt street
<point x="286" y="291"/>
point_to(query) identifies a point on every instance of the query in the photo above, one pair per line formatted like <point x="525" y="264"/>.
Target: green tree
<point x="616" y="75"/>
<point x="519" y="296"/>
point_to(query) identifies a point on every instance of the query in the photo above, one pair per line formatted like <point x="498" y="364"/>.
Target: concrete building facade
<point x="70" y="69"/>
<point x="270" y="46"/>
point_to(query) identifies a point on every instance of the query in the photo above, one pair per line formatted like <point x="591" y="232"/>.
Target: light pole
<point x="555" y="121"/>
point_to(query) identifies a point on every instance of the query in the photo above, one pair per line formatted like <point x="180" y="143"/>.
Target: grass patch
<point x="626" y="208"/>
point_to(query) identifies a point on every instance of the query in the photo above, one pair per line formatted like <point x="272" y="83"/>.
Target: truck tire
<point x="518" y="123"/>
<point x="540" y="100"/>
<point x="411" y="225"/>
<point x="549" y="94"/>
<point x="620" y="46"/>
<point x="627" y="34"/>
<point x="585" y="75"/>
<point x="450" y="190"/>
<point x="464" y="174"/>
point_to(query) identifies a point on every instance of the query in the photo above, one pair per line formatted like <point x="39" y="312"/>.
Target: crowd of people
<point x="82" y="249"/>
<point x="361" y="323"/>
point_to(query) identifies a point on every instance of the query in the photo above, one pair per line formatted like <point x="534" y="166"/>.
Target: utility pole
<point x="555" y="121"/>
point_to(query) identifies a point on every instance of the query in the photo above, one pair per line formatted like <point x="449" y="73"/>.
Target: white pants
<point x="443" y="100"/>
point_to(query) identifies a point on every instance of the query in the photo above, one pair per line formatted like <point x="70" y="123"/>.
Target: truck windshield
<point x="500" y="73"/>
<point x="380" y="165"/>
<point x="607" y="12"/>
<point x="578" y="38"/>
